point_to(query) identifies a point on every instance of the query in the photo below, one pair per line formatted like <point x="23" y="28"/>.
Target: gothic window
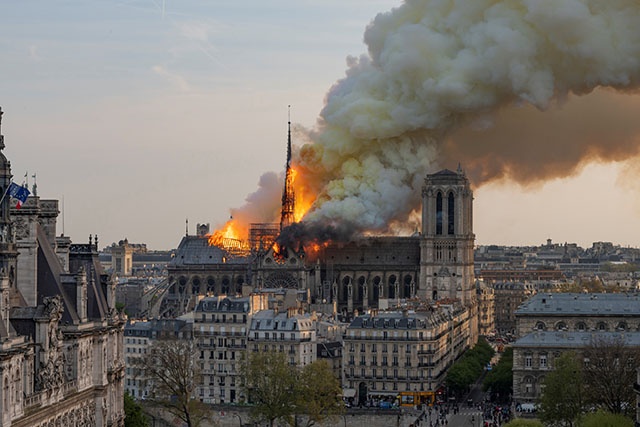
<point x="182" y="282"/>
<point x="392" y="287"/>
<point x="361" y="285"/>
<point x="211" y="283"/>
<point x="450" y="214"/>
<point x="195" y="285"/>
<point x="439" y="213"/>
<point x="407" y="286"/>
<point x="225" y="285"/>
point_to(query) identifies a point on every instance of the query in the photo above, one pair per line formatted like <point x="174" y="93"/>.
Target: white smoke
<point x="434" y="66"/>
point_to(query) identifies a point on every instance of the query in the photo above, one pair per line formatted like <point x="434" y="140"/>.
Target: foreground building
<point x="61" y="360"/>
<point x="403" y="353"/>
<point x="550" y="323"/>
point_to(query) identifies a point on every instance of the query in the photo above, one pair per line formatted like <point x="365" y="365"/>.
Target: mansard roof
<point x="224" y="305"/>
<point x="270" y="320"/>
<point x="196" y="250"/>
<point x="579" y="304"/>
<point x="398" y="320"/>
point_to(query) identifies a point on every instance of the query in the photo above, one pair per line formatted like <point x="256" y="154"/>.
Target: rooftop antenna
<point x="186" y="227"/>
<point x="63" y="214"/>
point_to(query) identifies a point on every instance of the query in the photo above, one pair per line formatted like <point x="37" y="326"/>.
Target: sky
<point x="140" y="115"/>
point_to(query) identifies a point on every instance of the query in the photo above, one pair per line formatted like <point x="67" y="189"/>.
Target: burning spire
<point x="497" y="84"/>
<point x="288" y="194"/>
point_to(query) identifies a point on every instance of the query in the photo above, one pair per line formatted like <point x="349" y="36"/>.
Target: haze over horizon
<point x="141" y="114"/>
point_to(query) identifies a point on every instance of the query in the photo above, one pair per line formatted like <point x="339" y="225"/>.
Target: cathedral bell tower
<point x="446" y="246"/>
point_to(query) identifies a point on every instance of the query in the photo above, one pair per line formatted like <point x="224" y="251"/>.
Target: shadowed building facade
<point x="61" y="359"/>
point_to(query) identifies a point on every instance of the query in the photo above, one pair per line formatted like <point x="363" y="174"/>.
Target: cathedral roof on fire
<point x="197" y="250"/>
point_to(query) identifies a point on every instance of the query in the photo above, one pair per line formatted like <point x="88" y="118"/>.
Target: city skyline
<point x="142" y="113"/>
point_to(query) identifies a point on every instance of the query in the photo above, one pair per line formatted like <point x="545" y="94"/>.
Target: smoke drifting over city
<point x="521" y="90"/>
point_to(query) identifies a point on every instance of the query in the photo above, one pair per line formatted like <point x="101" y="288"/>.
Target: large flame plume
<point x="523" y="90"/>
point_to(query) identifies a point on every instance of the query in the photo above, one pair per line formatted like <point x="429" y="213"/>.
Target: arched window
<point x="392" y="287"/>
<point x="561" y="326"/>
<point x="439" y="213"/>
<point x="622" y="326"/>
<point x="581" y="326"/>
<point x="376" y="288"/>
<point x="451" y="214"/>
<point x="601" y="326"/>
<point x="195" y="285"/>
<point x="407" y="286"/>
<point x="211" y="283"/>
<point x="540" y="326"/>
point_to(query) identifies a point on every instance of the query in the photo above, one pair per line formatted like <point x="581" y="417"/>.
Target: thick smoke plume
<point x="505" y="87"/>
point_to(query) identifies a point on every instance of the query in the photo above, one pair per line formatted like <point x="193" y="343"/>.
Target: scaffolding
<point x="262" y="236"/>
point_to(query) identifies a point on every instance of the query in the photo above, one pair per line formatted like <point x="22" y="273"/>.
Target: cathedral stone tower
<point x="446" y="247"/>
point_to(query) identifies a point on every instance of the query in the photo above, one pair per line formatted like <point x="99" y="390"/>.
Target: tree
<point x="605" y="419"/>
<point x="319" y="393"/>
<point x="133" y="415"/>
<point x="469" y="367"/>
<point x="562" y="400"/>
<point x="500" y="379"/>
<point x="519" y="422"/>
<point x="172" y="375"/>
<point x="610" y="372"/>
<point x="270" y="384"/>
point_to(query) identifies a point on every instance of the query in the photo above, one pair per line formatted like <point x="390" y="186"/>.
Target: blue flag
<point x="19" y="193"/>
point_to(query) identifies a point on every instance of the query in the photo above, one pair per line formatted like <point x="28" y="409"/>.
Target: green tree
<point x="271" y="386"/>
<point x="500" y="379"/>
<point x="562" y="400"/>
<point x="520" y="422"/>
<point x="605" y="419"/>
<point x="172" y="376"/>
<point x="469" y="367"/>
<point x="133" y="415"/>
<point x="319" y="393"/>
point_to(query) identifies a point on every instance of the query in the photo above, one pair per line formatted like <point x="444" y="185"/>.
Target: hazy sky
<point x="141" y="114"/>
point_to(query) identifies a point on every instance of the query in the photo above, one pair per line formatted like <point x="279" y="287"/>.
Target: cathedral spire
<point x="288" y="195"/>
<point x="1" y="137"/>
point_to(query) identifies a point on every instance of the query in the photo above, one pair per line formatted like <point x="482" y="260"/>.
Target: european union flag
<point x="19" y="193"/>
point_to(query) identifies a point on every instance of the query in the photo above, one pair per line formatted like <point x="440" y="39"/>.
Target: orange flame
<point x="231" y="231"/>
<point x="304" y="200"/>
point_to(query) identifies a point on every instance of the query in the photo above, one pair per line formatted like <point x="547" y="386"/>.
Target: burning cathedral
<point x="344" y="278"/>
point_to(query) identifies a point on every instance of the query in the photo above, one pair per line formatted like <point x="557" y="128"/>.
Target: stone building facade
<point x="550" y="323"/>
<point x="138" y="337"/>
<point x="387" y="353"/>
<point x="221" y="330"/>
<point x="61" y="360"/>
